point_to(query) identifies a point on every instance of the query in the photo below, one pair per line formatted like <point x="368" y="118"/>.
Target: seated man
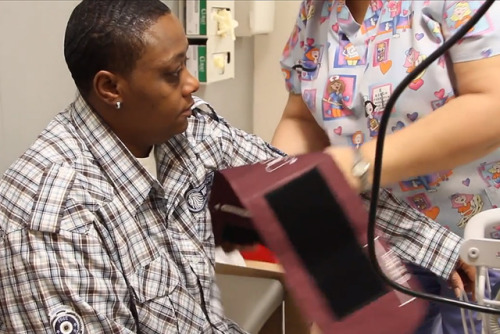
<point x="104" y="223"/>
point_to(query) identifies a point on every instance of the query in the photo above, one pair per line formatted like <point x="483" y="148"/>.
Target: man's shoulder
<point x="205" y="122"/>
<point x="56" y="145"/>
<point x="37" y="187"/>
<point x="204" y="111"/>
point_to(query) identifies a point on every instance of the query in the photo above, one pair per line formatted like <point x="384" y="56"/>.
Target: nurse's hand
<point x="343" y="156"/>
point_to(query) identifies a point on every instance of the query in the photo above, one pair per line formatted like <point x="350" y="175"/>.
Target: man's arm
<point x="412" y="235"/>
<point x="235" y="146"/>
<point x="415" y="237"/>
<point x="52" y="280"/>
<point x="55" y="269"/>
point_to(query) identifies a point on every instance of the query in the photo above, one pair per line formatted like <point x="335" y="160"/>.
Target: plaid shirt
<point x="90" y="240"/>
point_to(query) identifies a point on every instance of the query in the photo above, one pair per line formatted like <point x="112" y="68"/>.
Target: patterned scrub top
<point x="347" y="71"/>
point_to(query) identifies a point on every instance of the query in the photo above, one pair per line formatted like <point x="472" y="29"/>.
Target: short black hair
<point x="107" y="35"/>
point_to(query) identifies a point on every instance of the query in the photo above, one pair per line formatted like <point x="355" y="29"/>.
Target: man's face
<point x="157" y="94"/>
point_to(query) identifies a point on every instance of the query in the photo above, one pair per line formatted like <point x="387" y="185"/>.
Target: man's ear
<point x="106" y="87"/>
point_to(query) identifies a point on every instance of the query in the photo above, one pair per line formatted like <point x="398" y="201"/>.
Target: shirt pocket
<point x="156" y="279"/>
<point x="157" y="295"/>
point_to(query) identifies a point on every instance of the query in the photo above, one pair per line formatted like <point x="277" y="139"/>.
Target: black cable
<point x="377" y="168"/>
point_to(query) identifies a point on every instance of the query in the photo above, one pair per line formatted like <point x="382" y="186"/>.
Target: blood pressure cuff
<point x="302" y="208"/>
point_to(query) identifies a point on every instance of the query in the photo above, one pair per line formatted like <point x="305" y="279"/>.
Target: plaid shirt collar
<point x="123" y="170"/>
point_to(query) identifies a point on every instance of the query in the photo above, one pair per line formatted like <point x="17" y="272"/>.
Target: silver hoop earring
<point x="118" y="105"/>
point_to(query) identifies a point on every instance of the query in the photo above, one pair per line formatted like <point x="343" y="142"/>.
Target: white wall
<point x="34" y="80"/>
<point x="35" y="83"/>
<point x="270" y="94"/>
